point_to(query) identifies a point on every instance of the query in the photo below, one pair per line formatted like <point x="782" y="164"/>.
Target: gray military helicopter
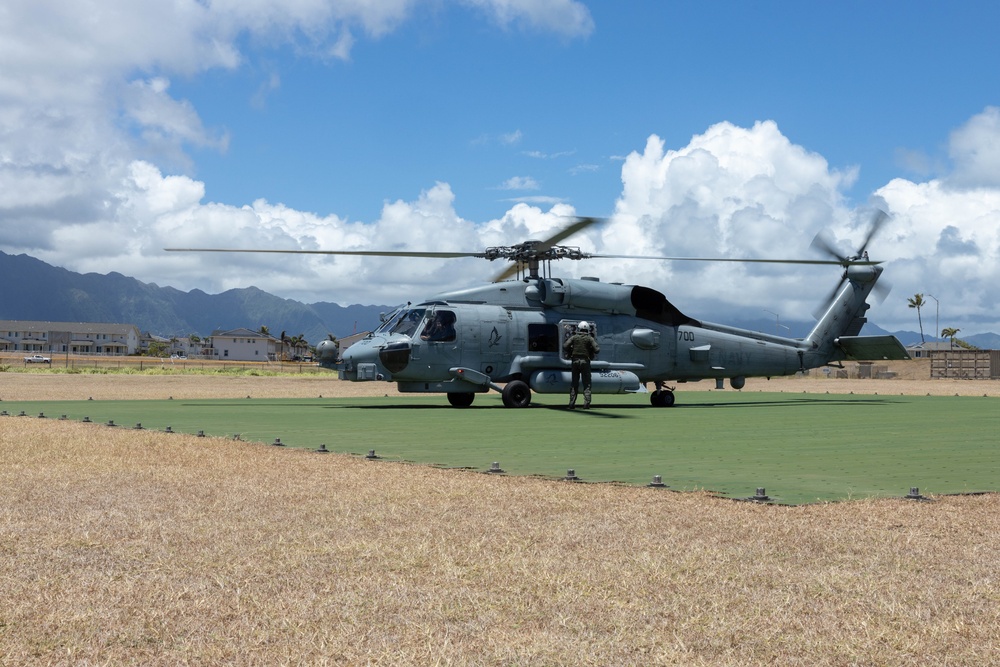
<point x="507" y="336"/>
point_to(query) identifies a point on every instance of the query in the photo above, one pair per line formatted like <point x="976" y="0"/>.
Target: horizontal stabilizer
<point x="872" y="348"/>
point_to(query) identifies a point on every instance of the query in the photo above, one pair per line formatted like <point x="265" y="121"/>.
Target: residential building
<point x="242" y="345"/>
<point x="69" y="337"/>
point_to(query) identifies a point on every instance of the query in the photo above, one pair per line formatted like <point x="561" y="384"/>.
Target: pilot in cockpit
<point x="441" y="328"/>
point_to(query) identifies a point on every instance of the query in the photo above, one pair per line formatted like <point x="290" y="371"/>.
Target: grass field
<point x="800" y="447"/>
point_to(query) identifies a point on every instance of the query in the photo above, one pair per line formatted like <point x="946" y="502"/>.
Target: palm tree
<point x="265" y="330"/>
<point x="950" y="332"/>
<point x="918" y="302"/>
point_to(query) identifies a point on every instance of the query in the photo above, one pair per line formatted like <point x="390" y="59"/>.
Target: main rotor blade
<point x="511" y="269"/>
<point x="566" y="232"/>
<point x="737" y="260"/>
<point x="364" y="253"/>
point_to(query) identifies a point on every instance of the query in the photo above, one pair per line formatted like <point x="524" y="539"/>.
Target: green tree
<point x="950" y="332"/>
<point x="158" y="349"/>
<point x="918" y="302"/>
<point x="265" y="330"/>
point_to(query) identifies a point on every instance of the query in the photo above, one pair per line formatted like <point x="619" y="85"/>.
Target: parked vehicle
<point x="37" y="359"/>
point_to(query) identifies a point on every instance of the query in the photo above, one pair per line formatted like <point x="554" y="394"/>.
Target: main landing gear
<point x="663" y="397"/>
<point x="516" y="394"/>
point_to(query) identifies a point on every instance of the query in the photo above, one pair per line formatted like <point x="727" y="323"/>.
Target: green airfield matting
<point x="801" y="448"/>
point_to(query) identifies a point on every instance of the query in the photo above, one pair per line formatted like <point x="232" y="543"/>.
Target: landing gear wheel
<point x="461" y="400"/>
<point x="516" y="394"/>
<point x="661" y="398"/>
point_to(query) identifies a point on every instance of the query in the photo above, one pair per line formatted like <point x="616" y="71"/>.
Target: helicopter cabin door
<point x="494" y="342"/>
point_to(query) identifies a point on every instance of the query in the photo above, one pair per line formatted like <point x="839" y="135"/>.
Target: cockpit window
<point x="402" y="321"/>
<point x="440" y="327"/>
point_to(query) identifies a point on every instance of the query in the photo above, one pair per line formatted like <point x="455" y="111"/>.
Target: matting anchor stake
<point x="277" y="443"/>
<point x="657" y="482"/>
<point x="571" y="476"/>
<point x="761" y="495"/>
<point x="322" y="450"/>
<point x="495" y="468"/>
<point x="371" y="455"/>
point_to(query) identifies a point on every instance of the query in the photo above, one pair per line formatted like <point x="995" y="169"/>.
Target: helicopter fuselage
<point x="470" y="341"/>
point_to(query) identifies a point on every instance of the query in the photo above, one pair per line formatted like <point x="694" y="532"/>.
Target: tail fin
<point x="835" y="336"/>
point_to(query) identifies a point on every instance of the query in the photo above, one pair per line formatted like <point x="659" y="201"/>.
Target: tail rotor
<point x="824" y="244"/>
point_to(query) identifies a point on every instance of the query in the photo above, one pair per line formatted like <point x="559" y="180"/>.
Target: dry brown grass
<point x="125" y="547"/>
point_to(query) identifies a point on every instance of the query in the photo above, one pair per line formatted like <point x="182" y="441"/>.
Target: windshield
<point x="402" y="321"/>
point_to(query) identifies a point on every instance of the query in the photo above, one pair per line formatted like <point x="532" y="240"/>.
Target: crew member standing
<point x="581" y="348"/>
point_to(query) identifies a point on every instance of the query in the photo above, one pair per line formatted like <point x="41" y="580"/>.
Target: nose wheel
<point x="461" y="400"/>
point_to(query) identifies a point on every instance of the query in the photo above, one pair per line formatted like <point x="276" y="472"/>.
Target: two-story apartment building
<point x="68" y="337"/>
<point x="243" y="345"/>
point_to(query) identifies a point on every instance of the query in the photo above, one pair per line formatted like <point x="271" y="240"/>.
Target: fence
<point x="81" y="362"/>
<point x="965" y="364"/>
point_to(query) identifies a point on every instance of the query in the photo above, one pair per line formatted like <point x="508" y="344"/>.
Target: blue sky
<point x="449" y="96"/>
<point x="709" y="129"/>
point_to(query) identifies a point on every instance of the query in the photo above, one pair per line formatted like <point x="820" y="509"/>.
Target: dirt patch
<point x="910" y="378"/>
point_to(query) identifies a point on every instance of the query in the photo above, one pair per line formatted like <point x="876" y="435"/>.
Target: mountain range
<point x="49" y="293"/>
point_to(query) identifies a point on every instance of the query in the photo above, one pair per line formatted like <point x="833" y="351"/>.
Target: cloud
<point x="519" y="183"/>
<point x="568" y="18"/>
<point x="86" y="106"/>
<point x="750" y="192"/>
<point x="548" y="156"/>
<point x="158" y="211"/>
<point x="538" y="200"/>
<point x="511" y="138"/>
<point x="975" y="150"/>
<point x="730" y="192"/>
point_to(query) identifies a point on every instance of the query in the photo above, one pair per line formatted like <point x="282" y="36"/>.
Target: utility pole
<point x="776" y="325"/>
<point x="937" y="313"/>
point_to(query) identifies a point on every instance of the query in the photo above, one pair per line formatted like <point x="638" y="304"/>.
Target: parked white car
<point x="37" y="359"/>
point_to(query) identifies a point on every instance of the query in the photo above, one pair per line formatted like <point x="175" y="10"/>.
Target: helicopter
<point x="507" y="336"/>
